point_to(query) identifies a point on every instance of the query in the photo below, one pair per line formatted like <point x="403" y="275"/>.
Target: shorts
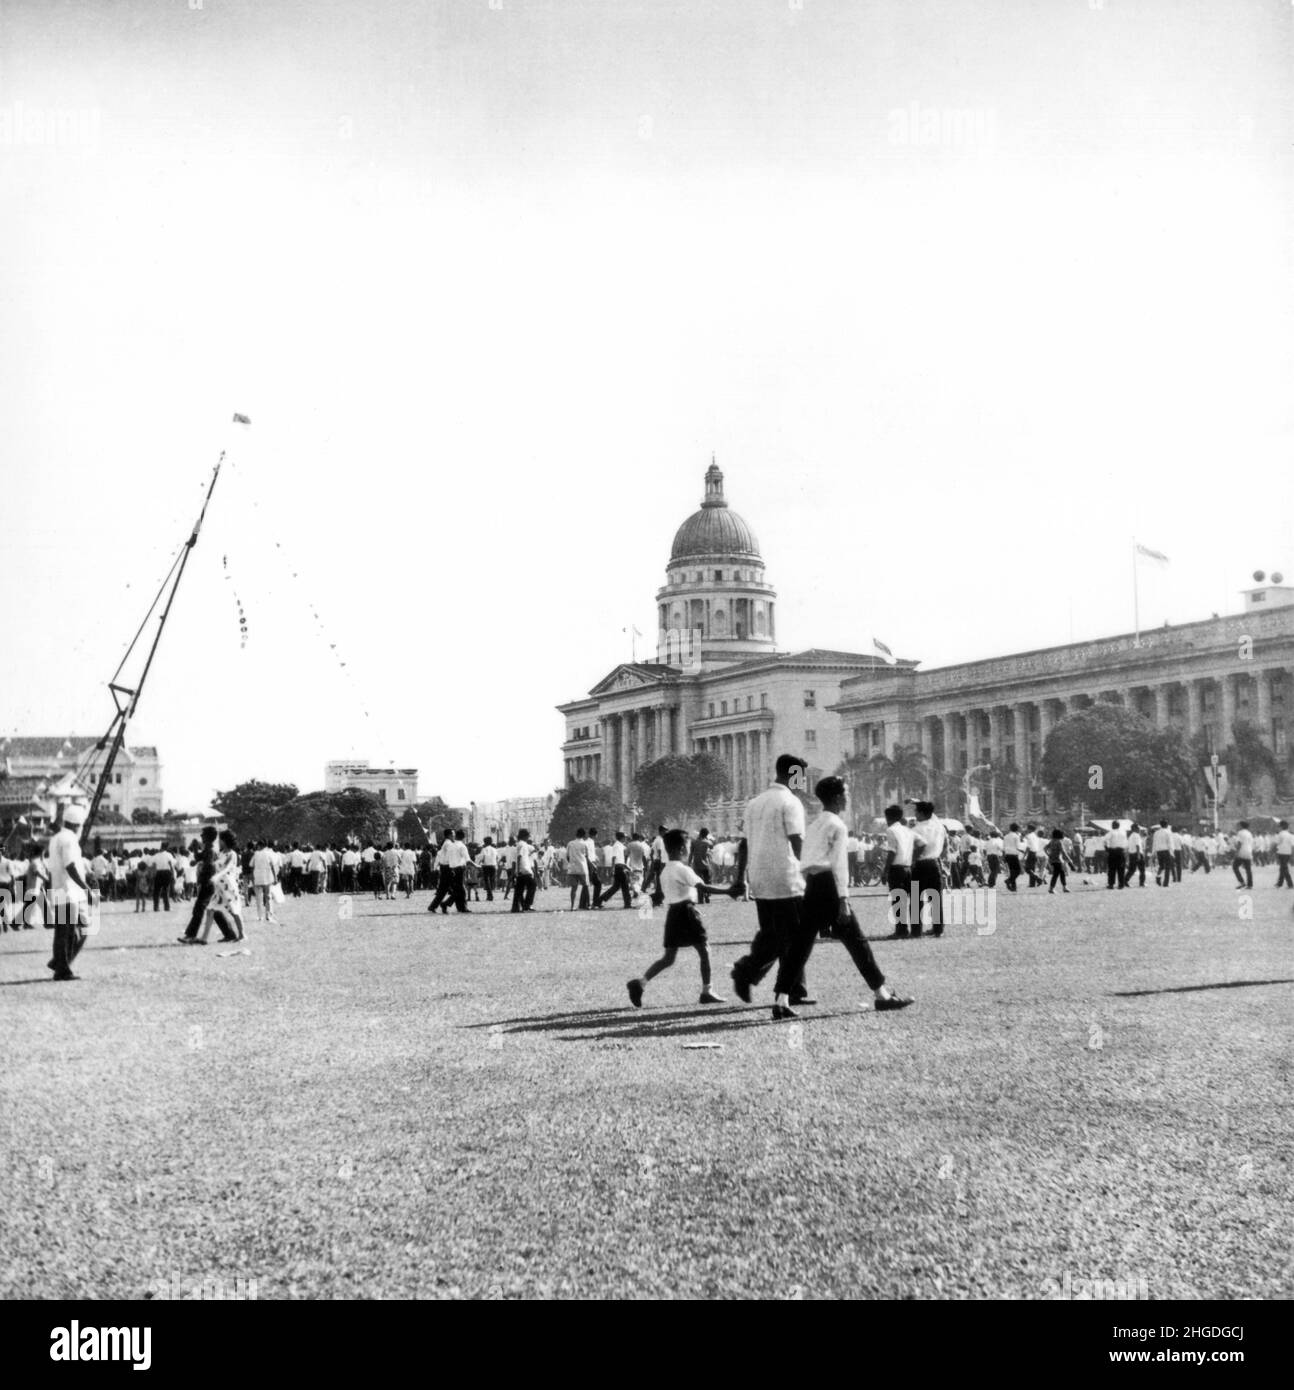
<point x="684" y="927"/>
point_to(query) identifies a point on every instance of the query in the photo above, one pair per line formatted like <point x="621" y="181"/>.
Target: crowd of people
<point x="919" y="857"/>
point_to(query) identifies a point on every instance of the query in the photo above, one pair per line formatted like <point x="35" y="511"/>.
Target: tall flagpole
<point x="1136" y="603"/>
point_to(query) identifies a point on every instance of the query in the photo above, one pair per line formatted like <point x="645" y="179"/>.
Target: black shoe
<point x="895" y="1001"/>
<point x="742" y="987"/>
<point x="802" y="999"/>
<point x="708" y="996"/>
<point x="66" y="975"/>
<point x="635" y="988"/>
<point x="781" y="1011"/>
<point x="899" y="936"/>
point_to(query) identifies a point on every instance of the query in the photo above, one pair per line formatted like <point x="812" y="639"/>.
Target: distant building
<point x="502" y="819"/>
<point x="396" y="787"/>
<point x="136" y="778"/>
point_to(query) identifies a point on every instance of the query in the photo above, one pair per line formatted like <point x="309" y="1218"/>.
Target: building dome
<point x="715" y="529"/>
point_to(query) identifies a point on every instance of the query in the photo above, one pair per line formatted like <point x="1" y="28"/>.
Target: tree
<point x="249" y="808"/>
<point x="437" y="815"/>
<point x="141" y="815"/>
<point x="903" y="771"/>
<point x="1115" y="760"/>
<point x="864" y="789"/>
<point x="1248" y="758"/>
<point x="585" y="804"/>
<point x="678" y="786"/>
<point x="331" y="817"/>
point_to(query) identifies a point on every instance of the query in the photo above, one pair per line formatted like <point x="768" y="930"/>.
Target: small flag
<point x="883" y="651"/>
<point x="241" y="420"/>
<point x="1155" y="555"/>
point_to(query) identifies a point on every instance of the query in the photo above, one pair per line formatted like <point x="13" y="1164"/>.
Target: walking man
<point x="1116" y="857"/>
<point x="69" y="894"/>
<point x="775" y="838"/>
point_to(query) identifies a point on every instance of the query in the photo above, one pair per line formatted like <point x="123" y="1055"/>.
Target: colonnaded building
<point x="719" y="684"/>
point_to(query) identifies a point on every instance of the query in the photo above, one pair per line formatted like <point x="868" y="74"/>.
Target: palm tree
<point x="904" y="771"/>
<point x="861" y="781"/>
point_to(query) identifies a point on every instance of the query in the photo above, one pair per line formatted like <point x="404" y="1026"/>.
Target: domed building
<point x="718" y="683"/>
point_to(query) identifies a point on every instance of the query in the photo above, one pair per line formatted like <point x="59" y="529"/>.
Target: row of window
<point x="699" y="576"/>
<point x="116" y="777"/>
<point x="736" y="705"/>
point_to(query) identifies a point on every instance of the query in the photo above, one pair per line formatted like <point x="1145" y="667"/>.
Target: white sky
<point x="492" y="284"/>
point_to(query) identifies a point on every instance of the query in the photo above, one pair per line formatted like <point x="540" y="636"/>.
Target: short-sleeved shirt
<point x="64" y="850"/>
<point x="773" y="871"/>
<point x="1244" y="844"/>
<point x="1116" y="839"/>
<point x="637" y="853"/>
<point x="678" y="883"/>
<point x="899" y="839"/>
<point x="1285" y="842"/>
<point x="263" y="868"/>
<point x="933" y="836"/>
<point x="826" y="846"/>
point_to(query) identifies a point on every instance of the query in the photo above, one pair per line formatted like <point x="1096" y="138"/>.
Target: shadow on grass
<point x="628" y="1022"/>
<point x="13" y="984"/>
<point x="687" y="1025"/>
<point x="143" y="946"/>
<point x="1192" y="989"/>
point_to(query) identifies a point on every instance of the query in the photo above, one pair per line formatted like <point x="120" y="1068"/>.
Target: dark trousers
<point x="163" y="881"/>
<point x="779" y="924"/>
<point x="523" y="892"/>
<point x="200" y="905"/>
<point x="929" y="883"/>
<point x="898" y="878"/>
<point x="1136" y="865"/>
<point x="1031" y="868"/>
<point x="822" y="911"/>
<point x="994" y="868"/>
<point x="450" y="889"/>
<point x="1283" y="879"/>
<point x="1012" y="871"/>
<point x="1163" y="867"/>
<point x="1177" y="865"/>
<point x="294" y="881"/>
<point x="70" y="923"/>
<point x="1244" y="872"/>
<point x="1057" y="874"/>
<point x="488" y="874"/>
<point x="619" y="884"/>
<point x="1116" y="868"/>
<point x="348" y="878"/>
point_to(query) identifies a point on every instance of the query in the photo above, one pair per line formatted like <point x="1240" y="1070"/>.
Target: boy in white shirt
<point x="825" y="863"/>
<point x="680" y="888"/>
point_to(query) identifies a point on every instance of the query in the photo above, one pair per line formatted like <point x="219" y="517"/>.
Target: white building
<point x="396" y="787"/>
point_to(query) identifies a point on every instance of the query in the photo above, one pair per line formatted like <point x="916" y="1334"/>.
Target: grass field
<point x="397" y="1105"/>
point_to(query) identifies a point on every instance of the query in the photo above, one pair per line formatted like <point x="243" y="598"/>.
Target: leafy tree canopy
<point x="675" y="788"/>
<point x="250" y="807"/>
<point x="586" y="804"/>
<point x="1115" y="760"/>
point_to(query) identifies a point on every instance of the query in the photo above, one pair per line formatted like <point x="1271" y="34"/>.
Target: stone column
<point x="995" y="738"/>
<point x="1228" y="688"/>
<point x="950" y="743"/>
<point x="624" y="778"/>
<point x="1162" y="693"/>
<point x="1020" y="716"/>
<point x="1263" y="716"/>
<point x="1194" y="708"/>
<point x="1046" y="722"/>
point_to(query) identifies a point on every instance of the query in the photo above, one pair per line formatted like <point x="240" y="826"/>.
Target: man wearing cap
<point x="68" y="892"/>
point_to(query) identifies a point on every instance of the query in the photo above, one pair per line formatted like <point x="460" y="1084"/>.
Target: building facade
<point x="135" y="782"/>
<point x="718" y="683"/>
<point x="995" y="715"/>
<point x="502" y="819"/>
<point x="396" y="787"/>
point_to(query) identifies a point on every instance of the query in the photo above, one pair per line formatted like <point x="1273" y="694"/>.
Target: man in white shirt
<point x="1136" y="863"/>
<point x="316" y="867"/>
<point x="636" y="854"/>
<point x="264" y="876"/>
<point x="1284" y="851"/>
<point x="1116" y="857"/>
<point x="657" y="859"/>
<point x="577" y="869"/>
<point x="1012" y="847"/>
<point x="1161" y="846"/>
<point x="69" y="895"/>
<point x="1177" y="852"/>
<point x="774" y="838"/>
<point x="617" y="874"/>
<point x="452" y="863"/>
<point x="163" y="877"/>
<point x="489" y="862"/>
<point x="826" y="895"/>
<point x="349" y="868"/>
<point x="1243" y="864"/>
<point x="523" y="892"/>
<point x="1032" y="849"/>
<point x="993" y="851"/>
<point x="899" y="846"/>
<point x="930" y="840"/>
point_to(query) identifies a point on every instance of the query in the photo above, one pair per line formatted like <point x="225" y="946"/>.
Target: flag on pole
<point x="241" y="420"/>
<point x="1155" y="555"/>
<point x="884" y="652"/>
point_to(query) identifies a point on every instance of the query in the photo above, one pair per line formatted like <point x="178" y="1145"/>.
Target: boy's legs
<point x="666" y="960"/>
